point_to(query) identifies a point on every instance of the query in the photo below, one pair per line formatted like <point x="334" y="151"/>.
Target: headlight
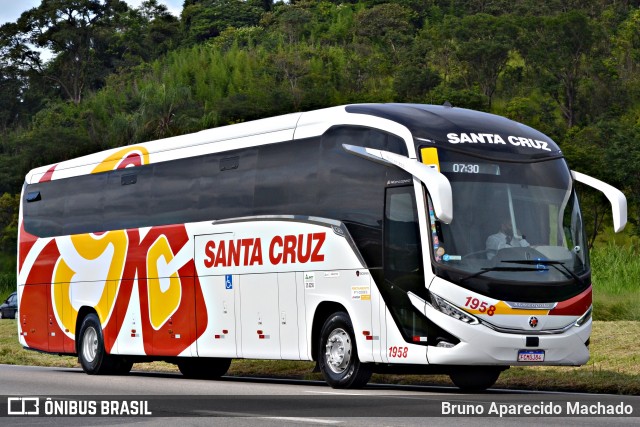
<point x="582" y="320"/>
<point x="451" y="310"/>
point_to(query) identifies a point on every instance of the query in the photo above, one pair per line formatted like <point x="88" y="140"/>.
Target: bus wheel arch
<point x="91" y="350"/>
<point x="322" y="313"/>
<point x="337" y="354"/>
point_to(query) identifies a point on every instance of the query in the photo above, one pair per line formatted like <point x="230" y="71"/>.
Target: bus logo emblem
<point x="533" y="321"/>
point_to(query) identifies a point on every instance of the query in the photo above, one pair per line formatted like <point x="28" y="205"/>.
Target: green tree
<point x="76" y="32"/>
<point x="146" y="33"/>
<point x="204" y="19"/>
<point x="483" y="44"/>
<point x="9" y="206"/>
<point x="556" y="48"/>
<point x="388" y="25"/>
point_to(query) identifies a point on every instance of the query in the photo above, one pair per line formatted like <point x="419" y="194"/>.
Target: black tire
<point x="475" y="379"/>
<point x="338" y="356"/>
<point x="91" y="352"/>
<point x="121" y="365"/>
<point x="204" y="368"/>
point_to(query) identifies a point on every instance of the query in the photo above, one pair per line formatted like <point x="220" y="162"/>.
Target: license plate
<point x="531" y="356"/>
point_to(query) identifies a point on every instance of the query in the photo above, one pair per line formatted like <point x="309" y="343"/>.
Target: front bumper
<point x="480" y="345"/>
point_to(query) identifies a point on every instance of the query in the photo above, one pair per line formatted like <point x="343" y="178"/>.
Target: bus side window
<point x="173" y="194"/>
<point x="45" y="218"/>
<point x="226" y="186"/>
<point x="402" y="236"/>
<point x="126" y="205"/>
<point x="290" y="189"/>
<point x="84" y="204"/>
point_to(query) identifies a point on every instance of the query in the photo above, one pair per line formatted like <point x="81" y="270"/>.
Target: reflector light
<point x="583" y="319"/>
<point x="445" y="344"/>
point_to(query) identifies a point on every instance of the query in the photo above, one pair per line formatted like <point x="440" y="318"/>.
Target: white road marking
<point x="303" y="420"/>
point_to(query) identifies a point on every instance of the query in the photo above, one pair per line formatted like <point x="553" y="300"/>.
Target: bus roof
<point x="460" y="129"/>
<point x="467" y="130"/>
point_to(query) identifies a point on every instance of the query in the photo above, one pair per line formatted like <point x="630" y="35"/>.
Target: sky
<point x="10" y="10"/>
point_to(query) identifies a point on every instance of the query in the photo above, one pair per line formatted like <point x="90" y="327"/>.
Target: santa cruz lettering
<point x="494" y="138"/>
<point x="289" y="249"/>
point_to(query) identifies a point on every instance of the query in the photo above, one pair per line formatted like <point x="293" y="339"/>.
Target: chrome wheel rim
<point x="90" y="344"/>
<point x="338" y="350"/>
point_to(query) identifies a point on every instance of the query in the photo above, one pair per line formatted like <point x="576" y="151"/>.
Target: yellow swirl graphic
<point x="90" y="247"/>
<point x="118" y="159"/>
<point x="162" y="302"/>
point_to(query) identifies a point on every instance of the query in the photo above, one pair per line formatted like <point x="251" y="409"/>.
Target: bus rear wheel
<point x="121" y="366"/>
<point x="203" y="368"/>
<point x="91" y="352"/>
<point x="338" y="356"/>
<point x="475" y="378"/>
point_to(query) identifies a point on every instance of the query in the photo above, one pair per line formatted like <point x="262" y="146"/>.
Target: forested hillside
<point x="117" y="76"/>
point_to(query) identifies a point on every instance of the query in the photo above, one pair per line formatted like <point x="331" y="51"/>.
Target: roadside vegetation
<point x="614" y="366"/>
<point x="120" y="76"/>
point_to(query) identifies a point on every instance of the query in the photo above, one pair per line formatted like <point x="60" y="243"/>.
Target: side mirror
<point x="616" y="198"/>
<point x="437" y="184"/>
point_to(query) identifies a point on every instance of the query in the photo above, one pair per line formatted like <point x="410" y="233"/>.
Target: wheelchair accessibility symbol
<point x="228" y="281"/>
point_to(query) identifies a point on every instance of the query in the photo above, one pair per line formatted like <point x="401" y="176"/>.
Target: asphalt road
<point x="172" y="400"/>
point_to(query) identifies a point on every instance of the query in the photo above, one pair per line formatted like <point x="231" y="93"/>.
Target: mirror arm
<point x="616" y="198"/>
<point x="437" y="184"/>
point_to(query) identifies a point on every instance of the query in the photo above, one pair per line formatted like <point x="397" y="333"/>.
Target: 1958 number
<point x="481" y="306"/>
<point x="398" y="351"/>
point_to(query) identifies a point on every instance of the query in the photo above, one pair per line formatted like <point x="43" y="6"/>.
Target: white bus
<point x="368" y="238"/>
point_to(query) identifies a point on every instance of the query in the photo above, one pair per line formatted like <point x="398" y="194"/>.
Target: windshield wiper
<point x="553" y="264"/>
<point x="489" y="269"/>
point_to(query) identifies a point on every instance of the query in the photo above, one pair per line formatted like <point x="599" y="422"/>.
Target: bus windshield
<point x="513" y="222"/>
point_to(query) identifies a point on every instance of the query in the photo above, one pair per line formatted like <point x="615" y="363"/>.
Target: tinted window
<point x="287" y="178"/>
<point x="84" y="210"/>
<point x="173" y="193"/>
<point x="126" y="204"/>
<point x="227" y="191"/>
<point x="315" y="177"/>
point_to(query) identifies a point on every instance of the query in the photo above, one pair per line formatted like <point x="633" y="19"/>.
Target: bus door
<point x="259" y="316"/>
<point x="288" y="308"/>
<point x="218" y="336"/>
<point x="403" y="273"/>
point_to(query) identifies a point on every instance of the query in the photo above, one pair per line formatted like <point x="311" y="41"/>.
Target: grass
<point x="614" y="366"/>
<point x="616" y="271"/>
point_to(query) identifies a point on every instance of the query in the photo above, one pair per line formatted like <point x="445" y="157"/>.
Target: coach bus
<point x="367" y="238"/>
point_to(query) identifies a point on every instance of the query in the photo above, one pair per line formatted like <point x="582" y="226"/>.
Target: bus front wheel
<point x="337" y="354"/>
<point x="91" y="352"/>
<point x="475" y="378"/>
